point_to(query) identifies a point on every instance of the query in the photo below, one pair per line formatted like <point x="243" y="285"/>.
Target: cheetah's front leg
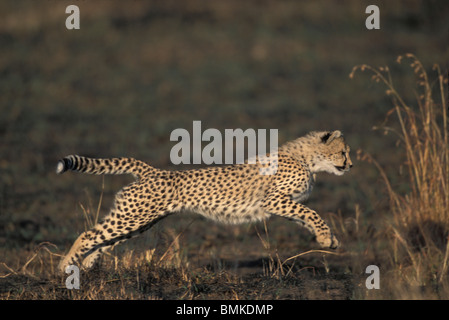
<point x="282" y="205"/>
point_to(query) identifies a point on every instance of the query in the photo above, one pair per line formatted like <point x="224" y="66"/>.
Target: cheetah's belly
<point x="234" y="213"/>
<point x="235" y="197"/>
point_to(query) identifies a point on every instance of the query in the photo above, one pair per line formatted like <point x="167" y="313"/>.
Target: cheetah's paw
<point x="328" y="241"/>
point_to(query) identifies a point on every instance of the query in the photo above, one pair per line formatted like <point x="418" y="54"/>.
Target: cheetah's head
<point x="332" y="152"/>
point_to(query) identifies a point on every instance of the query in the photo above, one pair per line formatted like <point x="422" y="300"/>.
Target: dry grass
<point x="279" y="268"/>
<point x="418" y="229"/>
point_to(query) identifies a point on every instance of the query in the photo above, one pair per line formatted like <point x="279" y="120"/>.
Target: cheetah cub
<point x="231" y="194"/>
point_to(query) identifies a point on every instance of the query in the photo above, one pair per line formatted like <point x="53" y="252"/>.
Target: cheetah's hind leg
<point x="74" y="256"/>
<point x="91" y="244"/>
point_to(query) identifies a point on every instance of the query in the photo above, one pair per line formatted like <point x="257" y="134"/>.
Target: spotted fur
<point x="231" y="194"/>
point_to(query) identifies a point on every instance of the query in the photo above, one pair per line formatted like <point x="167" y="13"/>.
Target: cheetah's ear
<point x="329" y="136"/>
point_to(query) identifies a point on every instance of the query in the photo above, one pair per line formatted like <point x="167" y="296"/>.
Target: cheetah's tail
<point x="103" y="166"/>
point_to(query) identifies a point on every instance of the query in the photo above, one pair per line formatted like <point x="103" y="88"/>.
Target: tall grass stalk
<point x="420" y="218"/>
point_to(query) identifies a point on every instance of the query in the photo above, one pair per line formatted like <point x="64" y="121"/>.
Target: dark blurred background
<point x="136" y="70"/>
